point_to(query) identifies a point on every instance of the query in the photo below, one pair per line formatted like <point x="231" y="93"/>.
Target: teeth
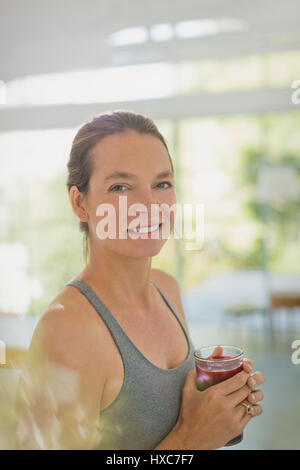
<point x="144" y="229"/>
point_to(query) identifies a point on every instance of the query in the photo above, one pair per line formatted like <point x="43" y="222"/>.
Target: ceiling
<point x="42" y="36"/>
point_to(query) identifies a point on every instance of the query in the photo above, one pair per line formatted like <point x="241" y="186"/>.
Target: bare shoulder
<point x="63" y="375"/>
<point x="165" y="279"/>
<point x="69" y="332"/>
<point x="170" y="287"/>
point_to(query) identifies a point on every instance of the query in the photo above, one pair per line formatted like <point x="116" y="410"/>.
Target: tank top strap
<point x="125" y="346"/>
<point x="172" y="309"/>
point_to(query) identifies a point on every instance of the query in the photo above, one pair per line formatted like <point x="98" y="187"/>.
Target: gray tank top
<point x="148" y="405"/>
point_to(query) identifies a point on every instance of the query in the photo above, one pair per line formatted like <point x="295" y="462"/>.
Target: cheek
<point x="102" y="209"/>
<point x="167" y="197"/>
<point x="170" y="200"/>
<point x="168" y="208"/>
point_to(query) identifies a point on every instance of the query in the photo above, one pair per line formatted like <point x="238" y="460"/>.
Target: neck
<point x="120" y="276"/>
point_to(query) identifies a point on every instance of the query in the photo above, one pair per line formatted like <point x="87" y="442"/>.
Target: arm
<point x="172" y="441"/>
<point x="60" y="389"/>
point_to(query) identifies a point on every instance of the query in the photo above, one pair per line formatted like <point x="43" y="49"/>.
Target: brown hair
<point x="80" y="163"/>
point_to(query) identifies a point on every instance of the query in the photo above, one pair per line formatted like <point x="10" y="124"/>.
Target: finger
<point x="255" y="396"/>
<point x="256" y="379"/>
<point x="229" y="386"/>
<point x="256" y="410"/>
<point x="248" y="365"/>
<point x="239" y="395"/>
<point x="241" y="409"/>
<point x="218" y="351"/>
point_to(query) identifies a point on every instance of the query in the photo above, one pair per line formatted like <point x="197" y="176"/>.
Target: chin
<point x="144" y="248"/>
<point x="146" y="251"/>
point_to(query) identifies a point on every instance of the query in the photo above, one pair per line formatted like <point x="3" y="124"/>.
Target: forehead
<point x="131" y="152"/>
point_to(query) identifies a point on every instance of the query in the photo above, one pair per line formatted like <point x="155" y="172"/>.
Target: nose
<point x="146" y="204"/>
<point x="147" y="197"/>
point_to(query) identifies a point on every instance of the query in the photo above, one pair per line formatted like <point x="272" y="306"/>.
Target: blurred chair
<point x="249" y="319"/>
<point x="287" y="303"/>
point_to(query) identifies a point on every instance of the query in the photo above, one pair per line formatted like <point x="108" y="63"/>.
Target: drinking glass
<point x="215" y="364"/>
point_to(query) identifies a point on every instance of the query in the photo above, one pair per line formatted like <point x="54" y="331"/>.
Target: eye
<point x="165" y="182"/>
<point x="116" y="188"/>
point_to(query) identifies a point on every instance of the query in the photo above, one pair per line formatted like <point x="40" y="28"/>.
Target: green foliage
<point x="281" y="220"/>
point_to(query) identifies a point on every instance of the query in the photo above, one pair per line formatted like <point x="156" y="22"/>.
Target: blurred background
<point x="221" y="79"/>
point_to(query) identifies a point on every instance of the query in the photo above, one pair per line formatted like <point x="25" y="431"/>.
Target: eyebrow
<point x="122" y="174"/>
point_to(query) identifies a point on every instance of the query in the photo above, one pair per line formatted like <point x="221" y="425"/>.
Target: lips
<point x="145" y="228"/>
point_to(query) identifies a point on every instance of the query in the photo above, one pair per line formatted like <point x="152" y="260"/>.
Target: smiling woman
<point x="111" y="365"/>
<point x="92" y="137"/>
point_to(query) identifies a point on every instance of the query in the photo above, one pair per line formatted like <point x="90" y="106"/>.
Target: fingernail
<point x="253" y="397"/>
<point x="252" y="382"/>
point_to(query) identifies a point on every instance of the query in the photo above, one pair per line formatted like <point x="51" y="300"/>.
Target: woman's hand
<point x="255" y="379"/>
<point x="211" y="418"/>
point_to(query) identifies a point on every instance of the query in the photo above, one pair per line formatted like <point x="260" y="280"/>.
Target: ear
<point x="78" y="204"/>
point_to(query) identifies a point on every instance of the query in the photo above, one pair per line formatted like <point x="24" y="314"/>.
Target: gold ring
<point x="247" y="406"/>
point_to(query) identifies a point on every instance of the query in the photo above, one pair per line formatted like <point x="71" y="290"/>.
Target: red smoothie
<point x="206" y="377"/>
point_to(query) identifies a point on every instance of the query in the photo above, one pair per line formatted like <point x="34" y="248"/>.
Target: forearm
<point x="171" y="442"/>
<point x="177" y="439"/>
<point x="180" y="439"/>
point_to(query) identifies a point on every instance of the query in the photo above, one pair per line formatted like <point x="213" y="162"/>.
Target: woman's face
<point x="147" y="180"/>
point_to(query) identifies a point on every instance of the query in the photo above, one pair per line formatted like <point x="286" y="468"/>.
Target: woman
<point x="111" y="363"/>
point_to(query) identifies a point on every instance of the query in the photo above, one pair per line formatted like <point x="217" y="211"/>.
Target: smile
<point x="149" y="229"/>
